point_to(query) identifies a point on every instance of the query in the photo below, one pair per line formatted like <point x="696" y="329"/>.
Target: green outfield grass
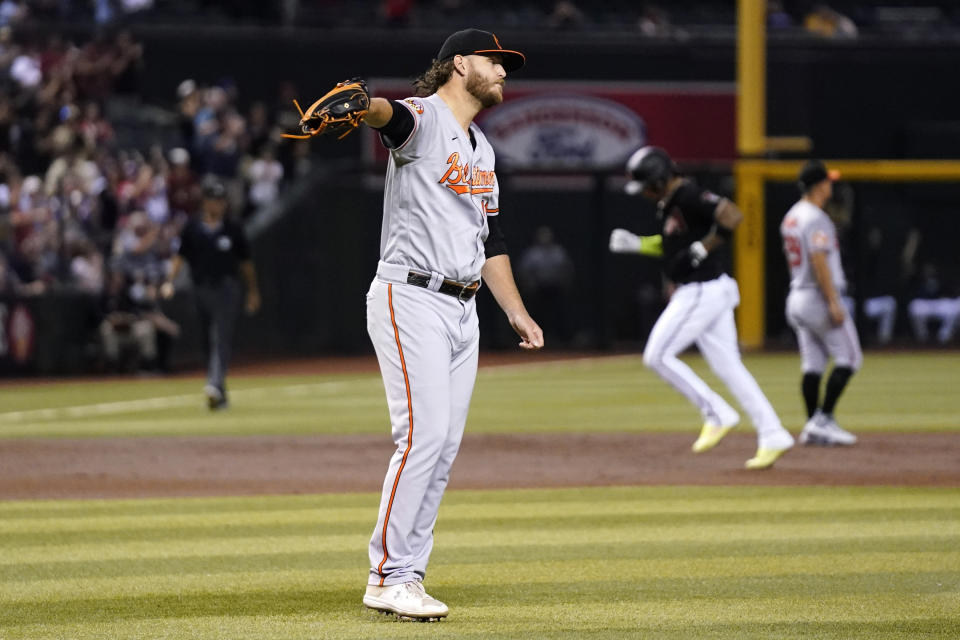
<point x="894" y="392"/>
<point x="878" y="563"/>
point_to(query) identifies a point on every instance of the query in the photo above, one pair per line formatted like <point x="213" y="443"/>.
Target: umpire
<point x="218" y="253"/>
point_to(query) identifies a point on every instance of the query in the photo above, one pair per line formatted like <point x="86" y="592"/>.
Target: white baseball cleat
<point x="824" y="431"/>
<point x="406" y="600"/>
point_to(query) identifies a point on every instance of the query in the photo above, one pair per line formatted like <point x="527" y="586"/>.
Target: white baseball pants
<point x="944" y="310"/>
<point x="819" y="339"/>
<point x="883" y="309"/>
<point x="427" y="345"/>
<point x="702" y="313"/>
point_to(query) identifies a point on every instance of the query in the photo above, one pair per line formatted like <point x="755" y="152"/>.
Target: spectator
<point x="882" y="279"/>
<point x="134" y="327"/>
<point x="260" y="131"/>
<point x="183" y="189"/>
<point x="25" y="69"/>
<point x="223" y="157"/>
<point x="932" y="302"/>
<point x="12" y="12"/>
<point x="133" y="317"/>
<point x="206" y="122"/>
<point x="8" y="51"/>
<point x="94" y="129"/>
<point x="10" y="283"/>
<point x="134" y="6"/>
<point x="829" y="23"/>
<point x="545" y="274"/>
<point x="188" y="105"/>
<point x="397" y="13"/>
<point x="93" y="72"/>
<point x="87" y="272"/>
<point x="654" y="22"/>
<point x="264" y="175"/>
<point x="126" y="67"/>
<point x="566" y="15"/>
<point x="777" y="17"/>
<point x="88" y="213"/>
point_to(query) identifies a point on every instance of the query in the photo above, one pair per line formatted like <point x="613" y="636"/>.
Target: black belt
<point x="449" y="287"/>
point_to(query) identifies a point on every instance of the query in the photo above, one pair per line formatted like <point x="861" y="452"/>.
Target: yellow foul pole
<point x="751" y="142"/>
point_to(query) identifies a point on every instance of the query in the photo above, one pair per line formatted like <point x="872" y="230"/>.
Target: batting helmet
<point x="649" y="167"/>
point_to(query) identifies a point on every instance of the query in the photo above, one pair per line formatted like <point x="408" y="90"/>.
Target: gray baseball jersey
<point x="439" y="191"/>
<point x="440" y="188"/>
<point x="805" y="229"/>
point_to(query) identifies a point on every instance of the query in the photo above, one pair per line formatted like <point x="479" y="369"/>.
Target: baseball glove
<point x="337" y="113"/>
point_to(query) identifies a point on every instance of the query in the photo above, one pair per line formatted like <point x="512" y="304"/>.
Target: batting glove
<point x="698" y="254"/>
<point x="622" y="241"/>
<point x="686" y="261"/>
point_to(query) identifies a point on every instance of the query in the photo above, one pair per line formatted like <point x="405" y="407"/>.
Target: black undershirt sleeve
<point x="398" y="130"/>
<point x="496" y="244"/>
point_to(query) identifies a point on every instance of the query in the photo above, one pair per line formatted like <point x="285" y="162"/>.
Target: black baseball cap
<point x="477" y="42"/>
<point x="815" y="172"/>
<point x="213" y="188"/>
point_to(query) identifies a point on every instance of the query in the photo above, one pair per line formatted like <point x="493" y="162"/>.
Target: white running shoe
<point x="407" y="600"/>
<point x="824" y="431"/>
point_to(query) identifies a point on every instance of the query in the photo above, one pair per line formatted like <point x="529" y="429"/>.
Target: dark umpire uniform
<point x="218" y="253"/>
<point x="696" y="227"/>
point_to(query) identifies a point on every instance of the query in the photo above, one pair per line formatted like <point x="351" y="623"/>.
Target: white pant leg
<point x="808" y="314"/>
<point x="843" y="344"/>
<point x="718" y="344"/>
<point x="692" y="308"/>
<point x="921" y="310"/>
<point x="463" y="375"/>
<point x="145" y="334"/>
<point x="950" y="315"/>
<point x="409" y="331"/>
<point x="882" y="309"/>
<point x="813" y="353"/>
<point x="110" y="340"/>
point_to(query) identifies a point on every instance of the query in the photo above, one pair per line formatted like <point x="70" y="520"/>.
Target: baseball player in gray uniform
<point x="440" y="237"/>
<point x="696" y="225"/>
<point x="815" y="307"/>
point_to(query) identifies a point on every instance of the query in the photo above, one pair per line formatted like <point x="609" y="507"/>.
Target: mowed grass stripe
<point x="163" y="529"/>
<point x="886" y="618"/>
<point x="547" y="624"/>
<point x="504" y="503"/>
<point x="35" y="517"/>
<point x="306" y="594"/>
<point x="894" y="392"/>
<point x="627" y="534"/>
<point x="923" y="571"/>
<point x="903" y="547"/>
<point x="653" y="560"/>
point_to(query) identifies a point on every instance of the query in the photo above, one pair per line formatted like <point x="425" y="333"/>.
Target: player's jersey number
<point x="793" y="249"/>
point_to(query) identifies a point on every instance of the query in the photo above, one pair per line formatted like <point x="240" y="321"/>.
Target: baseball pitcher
<point x="695" y="227"/>
<point x="440" y="236"/>
<point x="815" y="308"/>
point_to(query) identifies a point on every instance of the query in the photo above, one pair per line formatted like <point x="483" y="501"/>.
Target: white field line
<point x="156" y="404"/>
<point x="188" y="400"/>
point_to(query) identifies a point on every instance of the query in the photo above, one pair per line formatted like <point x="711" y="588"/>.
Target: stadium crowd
<point x="843" y="19"/>
<point x="82" y="212"/>
<point x="86" y="211"/>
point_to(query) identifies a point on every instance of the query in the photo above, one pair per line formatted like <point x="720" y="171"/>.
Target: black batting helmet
<point x="649" y="167"/>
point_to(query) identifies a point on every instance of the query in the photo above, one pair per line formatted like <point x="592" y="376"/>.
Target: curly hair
<point x="433" y="78"/>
